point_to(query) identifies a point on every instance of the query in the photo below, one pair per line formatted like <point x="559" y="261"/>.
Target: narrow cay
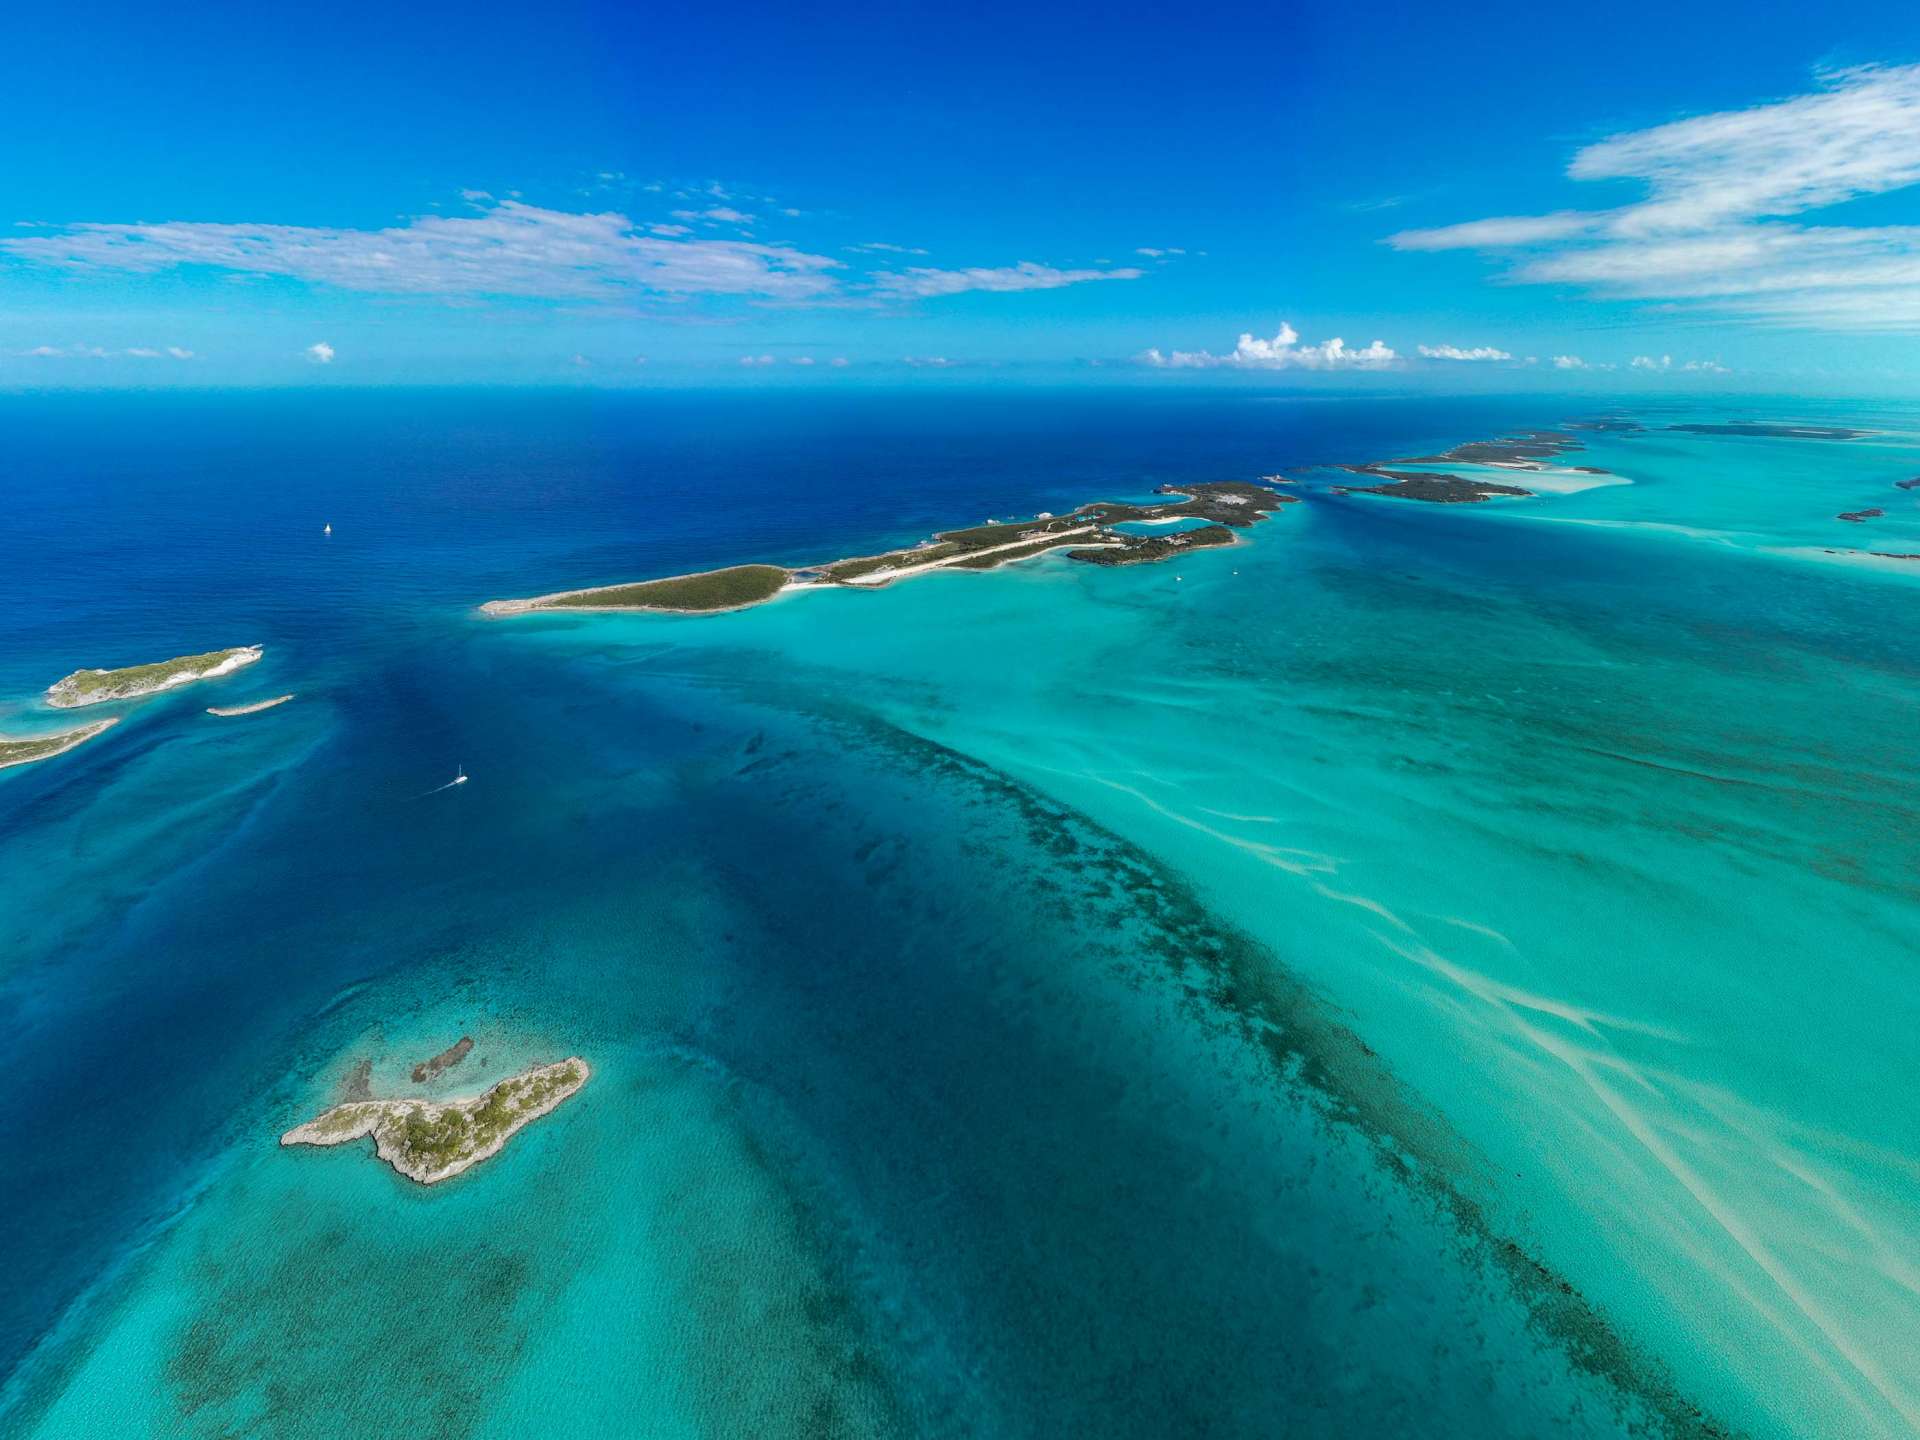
<point x="1227" y="506"/>
<point x="44" y="747"/>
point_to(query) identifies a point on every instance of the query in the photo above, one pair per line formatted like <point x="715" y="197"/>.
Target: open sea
<point x="1441" y="971"/>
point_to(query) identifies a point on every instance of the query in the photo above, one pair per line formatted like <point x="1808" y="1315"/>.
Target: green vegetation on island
<point x="710" y="590"/>
<point x="26" y="750"/>
<point x="1436" y="489"/>
<point x="1155" y="548"/>
<point x="1539" y="451"/>
<point x="96" y="687"/>
<point x="431" y="1142"/>
<point x="1086" y="534"/>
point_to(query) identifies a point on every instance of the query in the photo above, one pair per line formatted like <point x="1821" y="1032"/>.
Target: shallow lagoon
<point x="1022" y="1000"/>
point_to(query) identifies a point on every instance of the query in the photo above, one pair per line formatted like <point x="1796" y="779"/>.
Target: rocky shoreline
<point x="429" y="1142"/>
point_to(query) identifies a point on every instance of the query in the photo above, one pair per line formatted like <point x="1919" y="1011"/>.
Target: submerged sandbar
<point x="96" y="687"/>
<point x="27" y="749"/>
<point x="431" y="1142"/>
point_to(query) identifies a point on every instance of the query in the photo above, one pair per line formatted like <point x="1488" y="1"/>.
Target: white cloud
<point x="756" y="359"/>
<point x="1454" y="352"/>
<point x="1665" y="362"/>
<point x="511" y="249"/>
<point x="718" y="215"/>
<point x="1570" y="362"/>
<point x="179" y="352"/>
<point x="839" y="362"/>
<point x="800" y="360"/>
<point x="1500" y="231"/>
<point x="1283" y="351"/>
<point x="70" y="352"/>
<point x="1158" y="253"/>
<point x="320" y="353"/>
<point x="921" y="281"/>
<point x="881" y="247"/>
<point x="934" y="362"/>
<point x="1716" y="227"/>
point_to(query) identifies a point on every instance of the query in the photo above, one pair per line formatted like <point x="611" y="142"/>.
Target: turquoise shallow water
<point x="1427" y="970"/>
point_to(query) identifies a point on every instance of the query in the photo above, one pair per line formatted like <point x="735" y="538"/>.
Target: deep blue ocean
<point x="1427" y="970"/>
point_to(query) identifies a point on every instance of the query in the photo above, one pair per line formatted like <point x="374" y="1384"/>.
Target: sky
<point x="1711" y="195"/>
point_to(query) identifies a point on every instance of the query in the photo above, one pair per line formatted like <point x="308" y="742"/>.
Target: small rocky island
<point x="1087" y="534"/>
<point x="431" y="1142"/>
<point x="44" y="747"/>
<point x="96" y="687"/>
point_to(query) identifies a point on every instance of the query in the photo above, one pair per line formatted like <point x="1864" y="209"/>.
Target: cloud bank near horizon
<point x="1284" y="351"/>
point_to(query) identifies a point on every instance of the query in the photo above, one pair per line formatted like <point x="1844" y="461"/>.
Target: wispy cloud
<point x="929" y="362"/>
<point x="882" y="247"/>
<point x="1283" y="351"/>
<point x="510" y="248"/>
<point x="919" y="282"/>
<point x="100" y="352"/>
<point x="1665" y="363"/>
<point x="1714" y="230"/>
<point x="1454" y="352"/>
<point x="718" y="215"/>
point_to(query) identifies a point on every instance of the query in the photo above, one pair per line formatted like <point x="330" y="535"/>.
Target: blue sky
<point x="1390" y="194"/>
